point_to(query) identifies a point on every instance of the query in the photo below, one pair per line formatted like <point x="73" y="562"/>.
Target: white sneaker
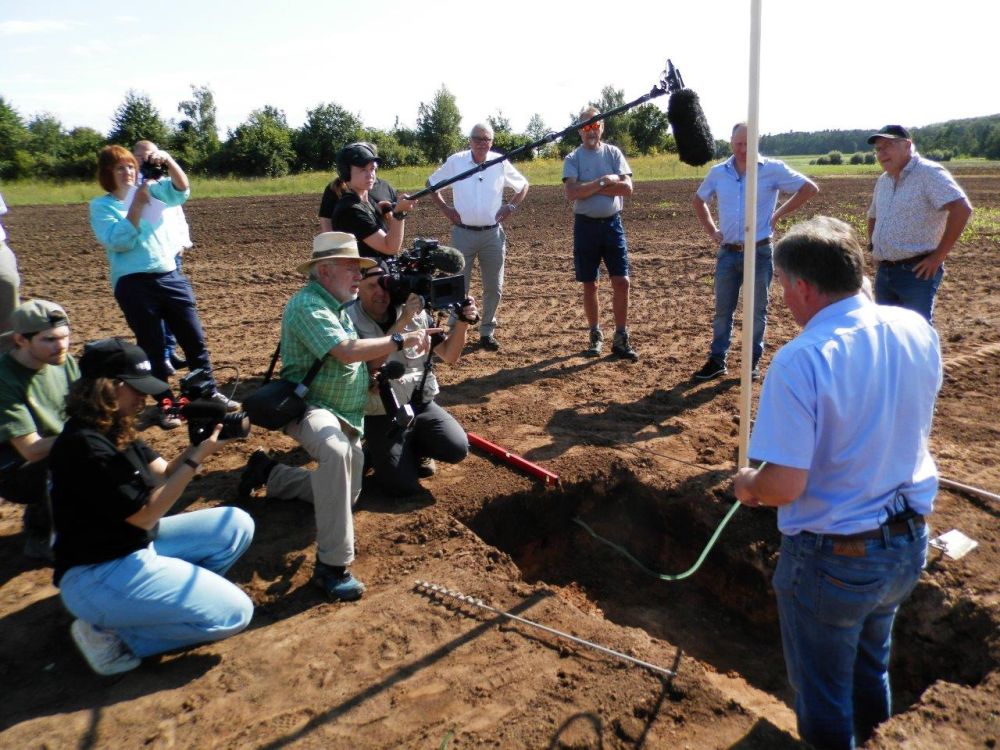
<point x="104" y="651"/>
<point x="220" y="398"/>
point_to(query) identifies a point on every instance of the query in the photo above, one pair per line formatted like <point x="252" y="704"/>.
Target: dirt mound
<point x="644" y="456"/>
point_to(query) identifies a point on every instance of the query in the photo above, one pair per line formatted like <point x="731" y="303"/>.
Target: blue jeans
<point x="169" y="342"/>
<point x="728" y="280"/>
<point x="170" y="594"/>
<point x="148" y="300"/>
<point x="899" y="285"/>
<point x="836" y="613"/>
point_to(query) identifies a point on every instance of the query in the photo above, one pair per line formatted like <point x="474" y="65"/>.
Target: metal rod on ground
<point x="966" y="488"/>
<point x="513" y="459"/>
<point x="433" y="588"/>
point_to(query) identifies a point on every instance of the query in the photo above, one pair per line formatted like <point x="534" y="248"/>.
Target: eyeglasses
<point x="592" y="126"/>
<point x="482" y="138"/>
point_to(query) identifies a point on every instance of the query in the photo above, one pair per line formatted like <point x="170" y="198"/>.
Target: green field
<point x="539" y="172"/>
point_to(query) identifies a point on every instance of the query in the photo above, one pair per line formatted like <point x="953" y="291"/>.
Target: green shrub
<point x="870" y="157"/>
<point x="823" y="160"/>
<point x="835" y="157"/>
<point x="857" y="158"/>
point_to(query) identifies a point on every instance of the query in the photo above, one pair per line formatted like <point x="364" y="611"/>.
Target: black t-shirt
<point x="95" y="487"/>
<point x="360" y="218"/>
<point x="382" y="191"/>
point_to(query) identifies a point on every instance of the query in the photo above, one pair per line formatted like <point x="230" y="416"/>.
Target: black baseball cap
<point x="892" y="132"/>
<point x="119" y="359"/>
<point x="358" y="155"/>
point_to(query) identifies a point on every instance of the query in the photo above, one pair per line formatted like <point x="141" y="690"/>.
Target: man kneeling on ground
<point x="400" y="456"/>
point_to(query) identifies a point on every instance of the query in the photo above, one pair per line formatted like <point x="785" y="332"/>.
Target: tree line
<point x="264" y="145"/>
<point x="974" y="136"/>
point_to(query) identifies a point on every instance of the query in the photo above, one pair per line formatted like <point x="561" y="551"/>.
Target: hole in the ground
<point x="724" y="615"/>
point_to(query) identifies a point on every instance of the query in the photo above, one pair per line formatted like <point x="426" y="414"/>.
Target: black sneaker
<point x="621" y="347"/>
<point x="337" y="582"/>
<point x="489" y="342"/>
<point x="255" y="475"/>
<point x="712" y="369"/>
<point x="178" y="363"/>
<point x="596" y="343"/>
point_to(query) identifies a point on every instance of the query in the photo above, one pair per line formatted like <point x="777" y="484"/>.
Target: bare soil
<point x="644" y="457"/>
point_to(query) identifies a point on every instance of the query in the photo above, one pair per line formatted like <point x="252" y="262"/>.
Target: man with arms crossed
<point x="843" y="424"/>
<point x="476" y="218"/>
<point x="597" y="179"/>
<point x="916" y="216"/>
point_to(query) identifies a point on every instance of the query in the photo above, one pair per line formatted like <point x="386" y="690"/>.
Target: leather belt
<point x="905" y="261"/>
<point x="477" y="229"/>
<point x="737" y="247"/>
<point x="595" y="219"/>
<point x="896" y="528"/>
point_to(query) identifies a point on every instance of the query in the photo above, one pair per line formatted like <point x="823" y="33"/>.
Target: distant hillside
<point x="975" y="136"/>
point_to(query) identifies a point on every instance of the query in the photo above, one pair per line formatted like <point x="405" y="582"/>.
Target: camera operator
<point x="401" y="456"/>
<point x="140" y="583"/>
<point x="129" y="223"/>
<point x="180" y="239"/>
<point x="376" y="225"/>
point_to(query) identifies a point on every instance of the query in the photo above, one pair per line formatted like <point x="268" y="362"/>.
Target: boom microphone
<point x="695" y="145"/>
<point x="203" y="409"/>
<point x="446" y="259"/>
<point x="390" y="370"/>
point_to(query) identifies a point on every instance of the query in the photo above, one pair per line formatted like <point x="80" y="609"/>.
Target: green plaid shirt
<point x="313" y="323"/>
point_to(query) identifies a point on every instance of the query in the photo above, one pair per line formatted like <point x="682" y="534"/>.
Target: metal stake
<point x="433" y="588"/>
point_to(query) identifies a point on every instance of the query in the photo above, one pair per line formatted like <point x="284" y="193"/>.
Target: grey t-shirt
<point x="584" y="165"/>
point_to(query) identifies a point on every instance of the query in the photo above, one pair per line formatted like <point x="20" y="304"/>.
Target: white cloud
<point x="23" y="28"/>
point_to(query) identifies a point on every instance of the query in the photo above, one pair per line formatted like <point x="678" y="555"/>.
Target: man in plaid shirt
<point x="315" y="326"/>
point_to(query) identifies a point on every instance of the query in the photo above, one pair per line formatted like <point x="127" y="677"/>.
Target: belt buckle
<point x="849" y="547"/>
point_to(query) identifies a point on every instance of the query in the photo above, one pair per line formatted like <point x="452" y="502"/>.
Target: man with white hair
<point x="476" y="218"/>
<point x="916" y="216"/>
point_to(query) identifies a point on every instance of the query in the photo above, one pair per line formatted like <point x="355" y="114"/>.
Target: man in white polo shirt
<point x="476" y="218"/>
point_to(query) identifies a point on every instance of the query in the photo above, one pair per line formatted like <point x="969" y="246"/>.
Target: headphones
<point x="349" y="153"/>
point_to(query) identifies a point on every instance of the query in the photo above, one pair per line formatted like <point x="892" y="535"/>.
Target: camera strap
<point x="310" y="376"/>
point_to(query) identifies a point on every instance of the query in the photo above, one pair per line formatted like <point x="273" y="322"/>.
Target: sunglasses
<point x="592" y="126"/>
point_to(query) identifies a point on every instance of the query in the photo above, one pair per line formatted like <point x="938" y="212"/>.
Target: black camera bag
<point x="278" y="402"/>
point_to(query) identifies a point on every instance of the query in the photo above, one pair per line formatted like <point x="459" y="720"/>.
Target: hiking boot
<point x="220" y="398"/>
<point x="426" y="467"/>
<point x="489" y="342"/>
<point x="337" y="582"/>
<point x="596" y="343"/>
<point x="713" y="368"/>
<point x="177" y="362"/>
<point x="104" y="651"/>
<point x="621" y="347"/>
<point x="256" y="473"/>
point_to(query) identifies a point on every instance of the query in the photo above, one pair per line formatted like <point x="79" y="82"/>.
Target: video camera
<point x="201" y="413"/>
<point x="412" y="272"/>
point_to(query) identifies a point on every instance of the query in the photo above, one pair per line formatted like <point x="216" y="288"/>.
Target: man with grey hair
<point x="916" y="216"/>
<point x="477" y="216"/>
<point x="842" y="428"/>
<point x="726" y="182"/>
<point x="597" y="178"/>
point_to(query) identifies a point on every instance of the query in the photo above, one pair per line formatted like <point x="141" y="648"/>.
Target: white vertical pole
<point x="750" y="232"/>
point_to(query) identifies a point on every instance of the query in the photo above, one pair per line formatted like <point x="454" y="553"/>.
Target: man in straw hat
<point x="315" y="325"/>
<point x="35" y="377"/>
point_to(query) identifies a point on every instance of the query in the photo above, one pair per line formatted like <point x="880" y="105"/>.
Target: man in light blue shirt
<point x="726" y="181"/>
<point x="843" y="426"/>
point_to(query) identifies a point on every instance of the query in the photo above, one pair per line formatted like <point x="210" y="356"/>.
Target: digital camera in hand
<point x="152" y="170"/>
<point x="412" y="272"/>
<point x="201" y="413"/>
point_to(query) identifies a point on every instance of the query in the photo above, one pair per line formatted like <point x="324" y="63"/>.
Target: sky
<point x="824" y="64"/>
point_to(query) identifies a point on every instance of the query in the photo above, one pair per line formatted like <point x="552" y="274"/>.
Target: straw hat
<point x="333" y="245"/>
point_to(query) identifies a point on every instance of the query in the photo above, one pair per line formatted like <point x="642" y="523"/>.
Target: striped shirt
<point x="313" y="323"/>
<point x="909" y="212"/>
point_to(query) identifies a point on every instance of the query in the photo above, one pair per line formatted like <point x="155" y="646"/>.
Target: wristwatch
<point x="397" y="339"/>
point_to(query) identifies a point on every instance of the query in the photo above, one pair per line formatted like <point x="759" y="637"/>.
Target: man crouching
<point x="401" y="455"/>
